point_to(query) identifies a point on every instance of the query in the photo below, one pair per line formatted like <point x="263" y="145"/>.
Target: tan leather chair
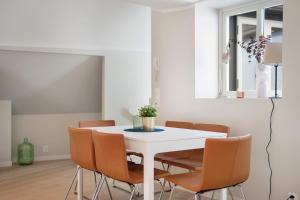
<point x="165" y="157"/>
<point x="226" y="164"/>
<point x="112" y="162"/>
<point x="82" y="153"/>
<point x="169" y="156"/>
<point x="193" y="159"/>
<point x="212" y="127"/>
<point x="102" y="123"/>
<point x="96" y="123"/>
<point x="179" y="124"/>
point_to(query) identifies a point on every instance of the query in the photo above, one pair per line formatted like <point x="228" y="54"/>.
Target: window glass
<point x="242" y="68"/>
<point x="273" y="26"/>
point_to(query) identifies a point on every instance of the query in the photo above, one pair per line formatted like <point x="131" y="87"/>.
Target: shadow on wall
<point x="47" y="83"/>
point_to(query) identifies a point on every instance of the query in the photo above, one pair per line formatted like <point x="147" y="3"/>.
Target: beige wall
<point x="49" y="93"/>
<point x="173" y="41"/>
<point x="47" y="130"/>
<point x="5" y="133"/>
<point x="47" y="83"/>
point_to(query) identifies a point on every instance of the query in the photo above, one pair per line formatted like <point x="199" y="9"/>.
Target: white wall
<point x="243" y="116"/>
<point x="5" y="133"/>
<point x="115" y="29"/>
<point x="80" y="24"/>
<point x="206" y="51"/>
<point x="127" y="77"/>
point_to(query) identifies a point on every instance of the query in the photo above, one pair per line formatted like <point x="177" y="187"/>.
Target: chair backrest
<point x="212" y="127"/>
<point x="82" y="148"/>
<point x="96" y="123"/>
<point x="179" y="124"/>
<point x="111" y="159"/>
<point x="226" y="162"/>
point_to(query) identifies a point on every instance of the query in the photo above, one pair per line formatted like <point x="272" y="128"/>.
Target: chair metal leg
<point x="213" y="195"/>
<point x="95" y="178"/>
<point x="166" y="169"/>
<point x="98" y="188"/>
<point x="163" y="166"/>
<point x="172" y="191"/>
<point x="197" y="196"/>
<point x="109" y="192"/>
<point x="66" y="197"/>
<point x="119" y="188"/>
<point x="137" y="192"/>
<point x="133" y="188"/>
<point x="162" y="193"/>
<point x="242" y="191"/>
<point x="75" y="188"/>
<point x="230" y="193"/>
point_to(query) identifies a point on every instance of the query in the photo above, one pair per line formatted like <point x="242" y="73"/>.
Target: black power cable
<point x="267" y="149"/>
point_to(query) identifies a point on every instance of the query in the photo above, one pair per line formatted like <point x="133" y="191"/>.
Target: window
<point x="243" y="24"/>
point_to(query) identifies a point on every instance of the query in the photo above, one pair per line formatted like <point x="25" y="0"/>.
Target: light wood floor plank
<point x="50" y="181"/>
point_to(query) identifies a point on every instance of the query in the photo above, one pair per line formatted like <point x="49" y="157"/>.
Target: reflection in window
<point x="242" y="69"/>
<point x="273" y="26"/>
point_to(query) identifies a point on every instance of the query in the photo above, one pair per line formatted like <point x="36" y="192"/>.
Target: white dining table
<point x="152" y="143"/>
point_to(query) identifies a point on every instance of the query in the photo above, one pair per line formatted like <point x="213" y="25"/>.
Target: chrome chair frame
<point x="95" y="179"/>
<point x="198" y="195"/>
<point x="133" y="189"/>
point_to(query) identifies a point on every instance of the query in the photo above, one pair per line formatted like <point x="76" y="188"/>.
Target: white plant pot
<point x="262" y="78"/>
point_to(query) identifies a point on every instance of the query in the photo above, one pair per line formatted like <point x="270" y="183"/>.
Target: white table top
<point x="170" y="134"/>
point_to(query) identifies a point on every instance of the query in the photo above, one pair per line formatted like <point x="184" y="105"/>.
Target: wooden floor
<point x="50" y="181"/>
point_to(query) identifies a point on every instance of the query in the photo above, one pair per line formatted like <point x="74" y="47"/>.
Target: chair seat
<point x="165" y="157"/>
<point x="191" y="181"/>
<point x="190" y="159"/>
<point x="136" y="173"/>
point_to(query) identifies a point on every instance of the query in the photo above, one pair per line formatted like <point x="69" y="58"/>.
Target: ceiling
<point x="176" y="4"/>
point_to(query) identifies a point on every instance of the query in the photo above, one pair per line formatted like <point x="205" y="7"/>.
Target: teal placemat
<point x="142" y="130"/>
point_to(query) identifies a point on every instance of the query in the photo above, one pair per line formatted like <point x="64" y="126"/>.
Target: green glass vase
<point x="137" y="122"/>
<point x="25" y="153"/>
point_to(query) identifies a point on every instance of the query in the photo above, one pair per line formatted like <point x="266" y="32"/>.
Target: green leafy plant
<point x="148" y="111"/>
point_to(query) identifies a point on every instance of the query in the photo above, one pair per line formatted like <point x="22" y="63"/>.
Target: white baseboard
<point x="48" y="158"/>
<point x="6" y="164"/>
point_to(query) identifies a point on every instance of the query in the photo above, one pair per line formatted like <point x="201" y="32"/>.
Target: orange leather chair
<point x="179" y="124"/>
<point x="82" y="153"/>
<point x="96" y="123"/>
<point x="111" y="161"/>
<point x="101" y="123"/>
<point x="226" y="163"/>
<point x="165" y="157"/>
<point x="193" y="159"/>
<point x="169" y="156"/>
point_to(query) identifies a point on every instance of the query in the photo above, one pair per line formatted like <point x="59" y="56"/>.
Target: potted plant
<point x="148" y="114"/>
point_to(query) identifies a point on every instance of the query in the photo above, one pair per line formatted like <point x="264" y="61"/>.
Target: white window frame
<point x="224" y="14"/>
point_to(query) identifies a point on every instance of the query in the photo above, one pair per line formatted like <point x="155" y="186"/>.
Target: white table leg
<point x="148" y="176"/>
<point x="224" y="194"/>
<point x="80" y="184"/>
